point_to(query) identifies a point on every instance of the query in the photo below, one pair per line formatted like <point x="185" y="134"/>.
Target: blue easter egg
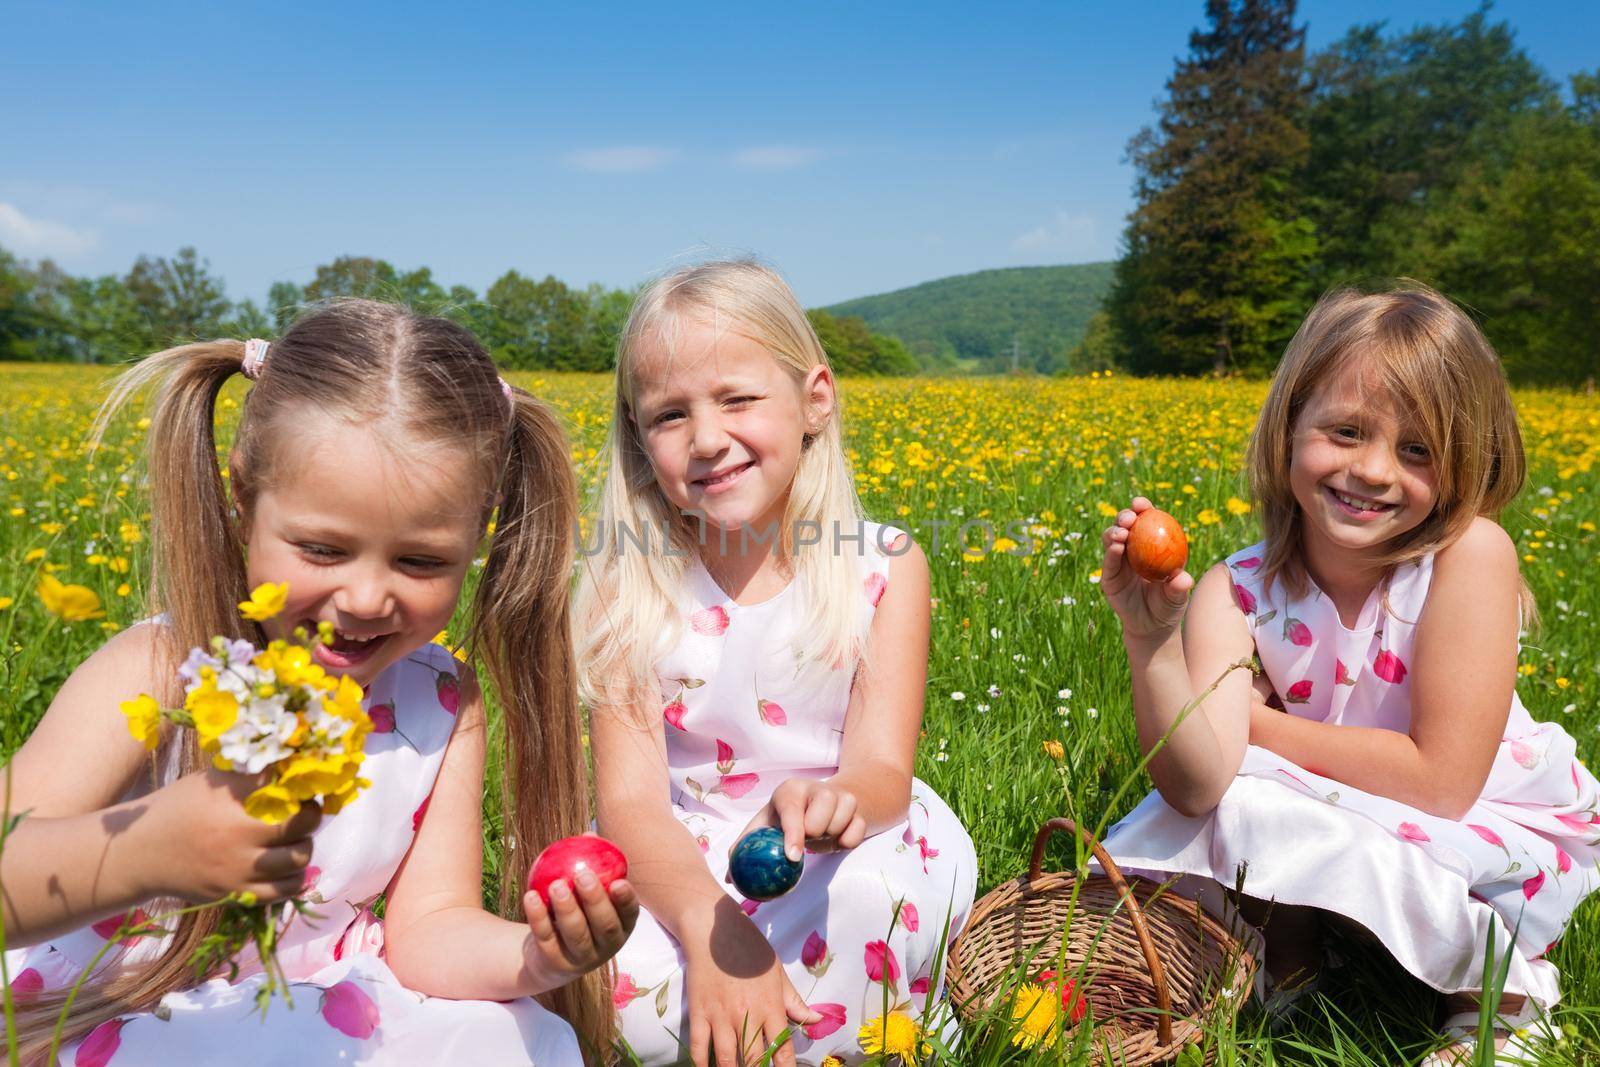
<point x="759" y="867"/>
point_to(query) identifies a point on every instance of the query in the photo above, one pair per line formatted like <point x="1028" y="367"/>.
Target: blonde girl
<point x="372" y="448"/>
<point x="754" y="654"/>
<point x="1382" y="770"/>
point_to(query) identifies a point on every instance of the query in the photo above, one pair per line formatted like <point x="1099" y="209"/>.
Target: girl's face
<point x="374" y="545"/>
<point x="722" y="422"/>
<point x="1359" y="469"/>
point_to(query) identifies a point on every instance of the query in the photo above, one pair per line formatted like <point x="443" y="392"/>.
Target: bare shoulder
<point x="908" y="564"/>
<point x="1483" y="550"/>
<point x="1213" y="597"/>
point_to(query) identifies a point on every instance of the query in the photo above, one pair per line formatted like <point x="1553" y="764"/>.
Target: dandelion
<point x="1208" y="517"/>
<point x="5" y="602"/>
<point x="1034" y="1013"/>
<point x="1054" y="750"/>
<point x="894" y="1034"/>
<point x="1236" y="506"/>
<point x="70" y="603"/>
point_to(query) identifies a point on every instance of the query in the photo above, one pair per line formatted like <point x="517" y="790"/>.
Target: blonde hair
<point x="1436" y="366"/>
<point x="428" y="382"/>
<point x="627" y="606"/>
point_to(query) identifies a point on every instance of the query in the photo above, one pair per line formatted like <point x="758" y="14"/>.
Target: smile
<point x="1356" y="505"/>
<point x="716" y="482"/>
<point x="348" y="650"/>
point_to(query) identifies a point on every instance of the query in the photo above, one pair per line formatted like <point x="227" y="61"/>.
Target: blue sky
<point x="860" y="147"/>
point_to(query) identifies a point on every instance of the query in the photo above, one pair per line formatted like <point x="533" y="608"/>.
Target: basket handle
<point x="1158" y="973"/>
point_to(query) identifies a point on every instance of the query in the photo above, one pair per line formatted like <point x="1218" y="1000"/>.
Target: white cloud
<point x="1064" y="234"/>
<point x="621" y="159"/>
<point x="776" y="157"/>
<point x="41" y="237"/>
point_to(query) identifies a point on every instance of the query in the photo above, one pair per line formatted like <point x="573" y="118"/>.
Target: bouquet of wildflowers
<point x="272" y="710"/>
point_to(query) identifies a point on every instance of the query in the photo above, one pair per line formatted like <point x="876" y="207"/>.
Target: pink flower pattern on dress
<point x="875" y="584"/>
<point x="673" y="713"/>
<point x="1525" y="755"/>
<point x="101" y="1044"/>
<point x="107" y="928"/>
<point x="449" y="691"/>
<point x="624" y="992"/>
<point x="771" y="713"/>
<point x="908" y="917"/>
<point x="382" y="716"/>
<point x="737" y="785"/>
<point x="1299" y="692"/>
<point x="1296" y="632"/>
<point x="1410" y="831"/>
<point x="26" y="987"/>
<point x="1531" y="887"/>
<point x="1487" y="834"/>
<point x="421" y="813"/>
<point x="1341" y="674"/>
<point x="881" y="964"/>
<point x="712" y="622"/>
<point x="349" y="1010"/>
<point x="833" y="1017"/>
<point x="920" y="987"/>
<point x="814" y="954"/>
<point x="1246" y="599"/>
<point x="1563" y="861"/>
<point x="1387" y="665"/>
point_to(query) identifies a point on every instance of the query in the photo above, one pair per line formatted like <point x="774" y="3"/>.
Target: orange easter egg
<point x="1157" y="548"/>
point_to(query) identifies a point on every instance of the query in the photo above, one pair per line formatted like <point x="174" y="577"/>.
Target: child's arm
<point x="438" y="938"/>
<point x="733" y="981"/>
<point x="79" y="856"/>
<point x="1462" y="677"/>
<point x="1170" y="668"/>
<point x="871" y="791"/>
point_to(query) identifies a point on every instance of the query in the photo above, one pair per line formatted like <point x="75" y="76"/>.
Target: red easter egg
<point x="1157" y="548"/>
<point x="562" y="861"/>
<point x="1072" y="1002"/>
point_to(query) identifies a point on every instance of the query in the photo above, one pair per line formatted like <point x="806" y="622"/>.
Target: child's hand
<point x="578" y="933"/>
<point x="813" y="815"/>
<point x="1147" y="609"/>
<point x="204" y="846"/>
<point x="738" y="996"/>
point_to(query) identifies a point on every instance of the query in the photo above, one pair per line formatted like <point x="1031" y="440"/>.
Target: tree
<point x="1395" y="124"/>
<point x="177" y="299"/>
<point x="360" y="276"/>
<point x="1217" y="252"/>
<point x="17" y="326"/>
<point x="284" y="302"/>
<point x="534" y="324"/>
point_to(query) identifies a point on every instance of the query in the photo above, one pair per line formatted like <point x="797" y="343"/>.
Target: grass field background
<point x="1024" y="648"/>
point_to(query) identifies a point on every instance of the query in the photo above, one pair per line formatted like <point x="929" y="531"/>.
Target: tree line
<point x="47" y="314"/>
<point x="1441" y="153"/>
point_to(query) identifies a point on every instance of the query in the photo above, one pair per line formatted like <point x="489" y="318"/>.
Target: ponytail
<point x="521" y="632"/>
<point x="198" y="575"/>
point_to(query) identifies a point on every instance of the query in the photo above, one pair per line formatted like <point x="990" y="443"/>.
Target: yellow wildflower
<point x="272" y="804"/>
<point x="214" y="710"/>
<point x="1053" y="749"/>
<point x="144" y="719"/>
<point x="73" y="603"/>
<point x="895" y="1034"/>
<point x="336" y="802"/>
<point x="130" y="533"/>
<point x="1207" y="517"/>
<point x="34" y="555"/>
<point x="1034" y="1013"/>
<point x="5" y="602"/>
<point x="1236" y="506"/>
<point x="266" y="600"/>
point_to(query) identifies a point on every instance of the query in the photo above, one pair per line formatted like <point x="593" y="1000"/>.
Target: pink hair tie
<point x="255" y="358"/>
<point x="505" y="387"/>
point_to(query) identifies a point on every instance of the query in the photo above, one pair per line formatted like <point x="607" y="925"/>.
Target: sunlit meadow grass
<point x="1024" y="648"/>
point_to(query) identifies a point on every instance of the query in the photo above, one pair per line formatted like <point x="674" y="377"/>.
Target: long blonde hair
<point x="428" y="382"/>
<point x="627" y="600"/>
<point x="1431" y="359"/>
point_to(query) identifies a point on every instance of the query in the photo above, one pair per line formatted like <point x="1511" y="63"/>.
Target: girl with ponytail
<point x="373" y="448"/>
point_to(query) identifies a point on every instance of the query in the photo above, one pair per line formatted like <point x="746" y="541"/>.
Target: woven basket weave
<point x="1155" y="966"/>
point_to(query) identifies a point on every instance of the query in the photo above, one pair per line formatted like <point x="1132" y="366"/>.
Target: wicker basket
<point x="1155" y="965"/>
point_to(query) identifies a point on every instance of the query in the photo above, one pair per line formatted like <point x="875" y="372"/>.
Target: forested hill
<point x="970" y="320"/>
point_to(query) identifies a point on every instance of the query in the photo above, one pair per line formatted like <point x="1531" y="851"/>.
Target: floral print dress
<point x="348" y="1006"/>
<point x="1428" y="888"/>
<point x="741" y="714"/>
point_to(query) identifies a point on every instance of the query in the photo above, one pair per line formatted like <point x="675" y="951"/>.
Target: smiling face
<point x="1359" y="470"/>
<point x="723" y="422"/>
<point x="374" y="545"/>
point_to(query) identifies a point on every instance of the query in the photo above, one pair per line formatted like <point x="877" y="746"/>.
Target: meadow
<point x="1025" y="650"/>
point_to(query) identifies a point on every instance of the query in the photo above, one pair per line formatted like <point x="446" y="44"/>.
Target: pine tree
<point x="1217" y="251"/>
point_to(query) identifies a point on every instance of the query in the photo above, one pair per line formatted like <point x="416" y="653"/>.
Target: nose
<point x="366" y="593"/>
<point x="708" y="438"/>
<point x="1374" y="462"/>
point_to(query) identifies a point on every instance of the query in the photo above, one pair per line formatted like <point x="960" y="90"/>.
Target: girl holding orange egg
<point x="1380" y="768"/>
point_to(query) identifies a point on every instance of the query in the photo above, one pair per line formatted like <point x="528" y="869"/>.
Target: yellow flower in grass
<point x="895" y="1034"/>
<point x="266" y="600"/>
<point x="1237" y="507"/>
<point x="1054" y="750"/>
<point x="5" y="602"/>
<point x="214" y="710"/>
<point x="272" y="804"/>
<point x="73" y="603"/>
<point x="1034" y="1014"/>
<point x="144" y="720"/>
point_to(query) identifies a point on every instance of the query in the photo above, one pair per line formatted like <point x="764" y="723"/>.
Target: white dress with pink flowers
<point x="741" y="715"/>
<point x="1429" y="888"/>
<point x="348" y="1007"/>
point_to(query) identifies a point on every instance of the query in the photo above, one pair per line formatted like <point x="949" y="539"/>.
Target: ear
<point x="817" y="394"/>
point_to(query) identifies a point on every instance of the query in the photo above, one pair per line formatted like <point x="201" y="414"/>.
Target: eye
<point x="1345" y="433"/>
<point x="1417" y="452"/>
<point x="318" y="553"/>
<point x="739" y="401"/>
<point x="422" y="563"/>
<point x="666" y="417"/>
